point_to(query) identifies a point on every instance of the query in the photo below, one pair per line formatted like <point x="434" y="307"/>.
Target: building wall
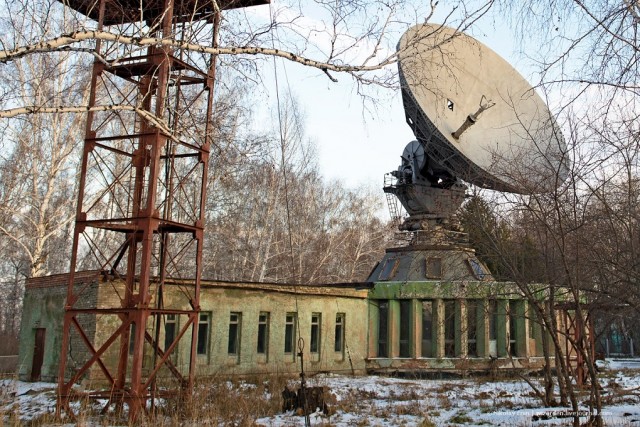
<point x="249" y="304"/>
<point x="456" y="326"/>
<point x="514" y="340"/>
<point x="43" y="307"/>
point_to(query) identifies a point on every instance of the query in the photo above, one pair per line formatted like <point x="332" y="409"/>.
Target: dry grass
<point x="241" y="401"/>
<point x="215" y="401"/>
<point x="225" y="401"/>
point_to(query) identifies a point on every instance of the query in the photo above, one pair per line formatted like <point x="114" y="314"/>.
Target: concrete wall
<point x="250" y="303"/>
<point x="45" y="299"/>
<point x="219" y="299"/>
<point x="43" y="307"/>
<point x="512" y="323"/>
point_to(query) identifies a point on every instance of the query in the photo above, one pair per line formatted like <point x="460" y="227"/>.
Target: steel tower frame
<point x="141" y="204"/>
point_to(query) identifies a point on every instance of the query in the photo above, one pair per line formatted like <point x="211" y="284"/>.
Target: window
<point x="476" y="268"/>
<point x="472" y="324"/>
<point x="132" y="337"/>
<point x="427" y="328"/>
<point x="405" y="328"/>
<point x="339" y="336"/>
<point x="493" y="314"/>
<point x="433" y="268"/>
<point x="170" y="328"/>
<point x="234" y="334"/>
<point x="263" y="333"/>
<point x="493" y="322"/>
<point x="389" y="269"/>
<point x="449" y="328"/>
<point x="383" y="316"/>
<point x="315" y="333"/>
<point x="512" y="328"/>
<point x="289" y="333"/>
<point x="202" y="347"/>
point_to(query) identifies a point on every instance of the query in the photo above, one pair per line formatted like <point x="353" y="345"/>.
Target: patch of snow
<point x="387" y="402"/>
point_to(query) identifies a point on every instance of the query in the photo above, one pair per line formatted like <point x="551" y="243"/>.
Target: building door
<point x="38" y="355"/>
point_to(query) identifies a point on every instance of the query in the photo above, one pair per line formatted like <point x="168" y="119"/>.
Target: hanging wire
<point x="283" y="166"/>
<point x="302" y="391"/>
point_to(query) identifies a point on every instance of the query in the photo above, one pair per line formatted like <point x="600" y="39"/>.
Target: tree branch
<point x="156" y="121"/>
<point x="61" y="42"/>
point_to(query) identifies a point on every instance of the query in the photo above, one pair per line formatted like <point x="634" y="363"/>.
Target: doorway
<point x="38" y="354"/>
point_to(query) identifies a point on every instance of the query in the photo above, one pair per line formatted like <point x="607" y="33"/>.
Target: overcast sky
<point x="358" y="142"/>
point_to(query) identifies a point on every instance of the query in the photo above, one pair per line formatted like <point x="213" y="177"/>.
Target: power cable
<point x="302" y="391"/>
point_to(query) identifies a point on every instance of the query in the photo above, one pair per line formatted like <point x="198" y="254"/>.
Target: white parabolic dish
<point x="514" y="145"/>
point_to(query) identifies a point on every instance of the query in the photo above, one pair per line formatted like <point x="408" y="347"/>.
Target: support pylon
<point x="141" y="201"/>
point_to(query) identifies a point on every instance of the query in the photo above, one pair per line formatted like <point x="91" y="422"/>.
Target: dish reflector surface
<point x="511" y="142"/>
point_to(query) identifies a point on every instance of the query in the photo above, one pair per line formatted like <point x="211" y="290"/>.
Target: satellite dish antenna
<point x="476" y="119"/>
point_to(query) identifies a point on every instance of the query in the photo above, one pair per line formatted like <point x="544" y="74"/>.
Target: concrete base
<point x="456" y="366"/>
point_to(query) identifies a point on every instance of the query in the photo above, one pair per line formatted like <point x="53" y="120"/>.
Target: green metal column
<point x="502" y="343"/>
<point x="416" y="328"/>
<point x="394" y="328"/>
<point x="438" y="328"/>
<point x="461" y="328"/>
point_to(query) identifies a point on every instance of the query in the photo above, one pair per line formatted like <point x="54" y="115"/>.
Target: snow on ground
<point x="385" y="401"/>
<point x="30" y="400"/>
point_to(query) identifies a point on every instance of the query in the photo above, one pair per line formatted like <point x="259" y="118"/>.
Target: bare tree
<point x="356" y="38"/>
<point x="273" y="217"/>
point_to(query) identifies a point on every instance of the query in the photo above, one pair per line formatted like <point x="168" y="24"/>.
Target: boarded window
<point x="449" y="328"/>
<point x="170" y="329"/>
<point x="512" y="328"/>
<point x="132" y="337"/>
<point x="493" y="315"/>
<point x="492" y="312"/>
<point x="405" y="328"/>
<point x="433" y="268"/>
<point x="472" y="328"/>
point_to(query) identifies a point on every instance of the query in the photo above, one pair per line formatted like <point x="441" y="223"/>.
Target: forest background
<point x="582" y="57"/>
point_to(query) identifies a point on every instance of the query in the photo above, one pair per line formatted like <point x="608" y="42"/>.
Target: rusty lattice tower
<point x="140" y="213"/>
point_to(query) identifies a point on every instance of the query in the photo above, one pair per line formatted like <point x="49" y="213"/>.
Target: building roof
<point x="357" y="290"/>
<point x="125" y="11"/>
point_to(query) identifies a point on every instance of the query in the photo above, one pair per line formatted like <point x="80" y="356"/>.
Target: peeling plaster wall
<point x="45" y="298"/>
<point x="222" y="302"/>
<point x="43" y="307"/>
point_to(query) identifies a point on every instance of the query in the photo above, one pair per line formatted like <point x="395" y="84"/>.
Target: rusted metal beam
<point x="132" y="177"/>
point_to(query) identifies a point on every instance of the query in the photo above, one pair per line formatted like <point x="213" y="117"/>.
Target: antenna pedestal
<point x="429" y="195"/>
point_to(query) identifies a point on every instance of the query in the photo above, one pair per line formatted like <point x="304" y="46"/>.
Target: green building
<point x="429" y="306"/>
